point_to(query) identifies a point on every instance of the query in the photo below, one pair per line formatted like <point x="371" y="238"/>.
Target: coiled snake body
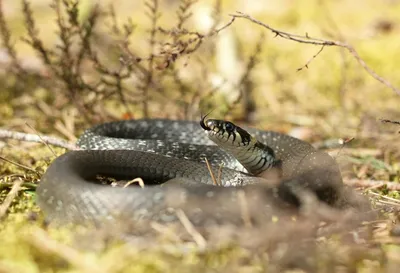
<point x="164" y="150"/>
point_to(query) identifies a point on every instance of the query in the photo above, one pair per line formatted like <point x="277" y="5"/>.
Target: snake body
<point x="161" y="151"/>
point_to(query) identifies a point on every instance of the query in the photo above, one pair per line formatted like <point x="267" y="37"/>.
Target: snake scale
<point x="159" y="150"/>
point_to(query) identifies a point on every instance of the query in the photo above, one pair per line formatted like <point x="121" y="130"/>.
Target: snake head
<point x="255" y="156"/>
<point x="220" y="131"/>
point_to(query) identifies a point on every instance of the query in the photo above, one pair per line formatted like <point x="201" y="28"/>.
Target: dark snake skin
<point x="164" y="150"/>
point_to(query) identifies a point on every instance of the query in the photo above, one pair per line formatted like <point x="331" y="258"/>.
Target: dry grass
<point x="107" y="67"/>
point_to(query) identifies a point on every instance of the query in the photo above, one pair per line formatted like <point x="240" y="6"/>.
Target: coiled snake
<point x="165" y="150"/>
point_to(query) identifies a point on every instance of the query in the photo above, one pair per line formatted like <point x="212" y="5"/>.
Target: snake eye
<point x="229" y="126"/>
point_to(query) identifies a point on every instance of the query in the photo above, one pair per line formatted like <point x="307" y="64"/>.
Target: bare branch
<point x="312" y="58"/>
<point x="10" y="197"/>
<point x="394" y="186"/>
<point x="19" y="165"/>
<point x="36" y="138"/>
<point x="197" y="237"/>
<point x="306" y="39"/>
<point x="390" y="121"/>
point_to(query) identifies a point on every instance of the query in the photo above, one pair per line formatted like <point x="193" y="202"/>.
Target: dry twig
<point x="306" y="39"/>
<point x="216" y="183"/>
<point x="372" y="184"/>
<point x="197" y="237"/>
<point x="19" y="165"/>
<point x="10" y="197"/>
<point x="136" y="180"/>
<point x="390" y="121"/>
<point x="37" y="138"/>
<point x="312" y="58"/>
<point x="47" y="145"/>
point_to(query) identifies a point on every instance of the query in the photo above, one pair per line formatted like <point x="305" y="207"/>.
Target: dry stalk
<point x="215" y="182"/>
<point x="10" y="197"/>
<point x="136" y="180"/>
<point x="44" y="142"/>
<point x="19" y="165"/>
<point x="197" y="237"/>
<point x="36" y="138"/>
<point x="363" y="183"/>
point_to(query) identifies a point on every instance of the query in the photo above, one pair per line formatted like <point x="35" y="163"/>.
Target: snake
<point x="201" y="168"/>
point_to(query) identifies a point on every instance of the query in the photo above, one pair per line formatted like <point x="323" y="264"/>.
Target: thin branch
<point x="394" y="186"/>
<point x="306" y="39"/>
<point x="36" y="132"/>
<point x="7" y="134"/>
<point x="310" y="60"/>
<point x="390" y="121"/>
<point x="24" y="186"/>
<point x="389" y="199"/>
<point x="223" y="27"/>
<point x="10" y="197"/>
<point x="19" y="165"/>
<point x="211" y="173"/>
<point x="197" y="237"/>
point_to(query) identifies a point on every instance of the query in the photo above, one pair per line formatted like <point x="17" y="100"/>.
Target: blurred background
<point x="132" y="59"/>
